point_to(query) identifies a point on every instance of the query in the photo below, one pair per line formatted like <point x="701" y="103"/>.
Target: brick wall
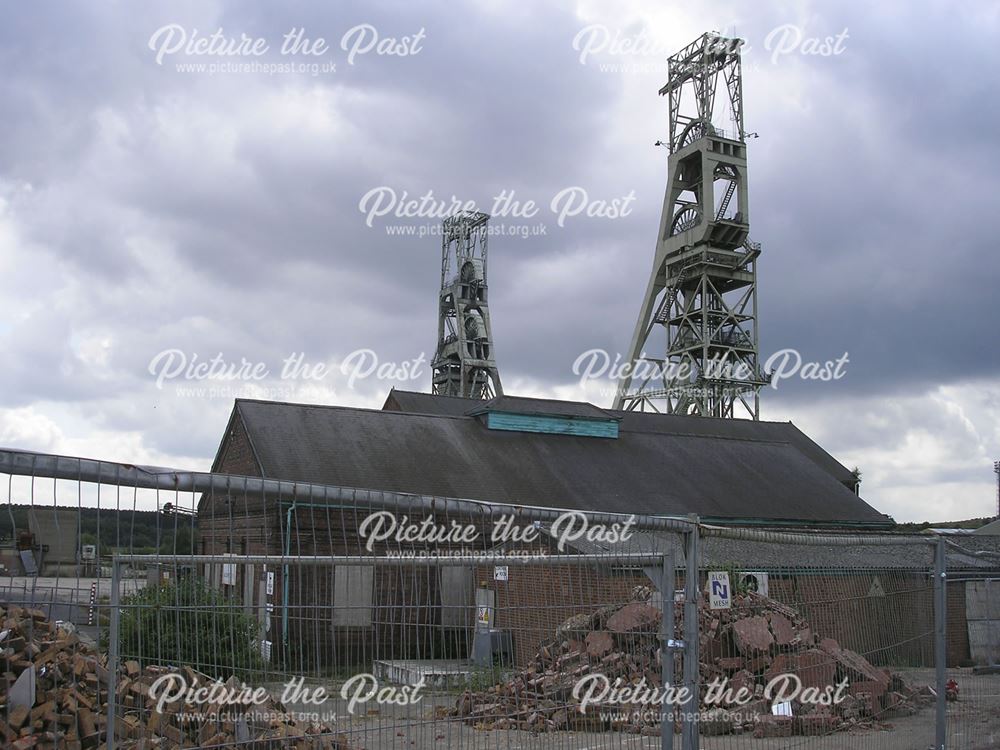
<point x="536" y="599"/>
<point x="235" y="454"/>
<point x="957" y="626"/>
<point x="886" y="615"/>
<point x="893" y="628"/>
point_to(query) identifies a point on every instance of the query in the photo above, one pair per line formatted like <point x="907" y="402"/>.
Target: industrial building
<point x="519" y="451"/>
<point x="560" y="454"/>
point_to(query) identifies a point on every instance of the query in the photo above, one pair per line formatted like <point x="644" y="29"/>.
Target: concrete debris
<point x="746" y="647"/>
<point x="69" y="708"/>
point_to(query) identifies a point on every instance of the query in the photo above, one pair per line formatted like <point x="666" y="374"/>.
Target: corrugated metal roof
<point x="643" y="471"/>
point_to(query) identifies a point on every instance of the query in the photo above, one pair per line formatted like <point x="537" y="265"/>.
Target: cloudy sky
<point x="165" y="199"/>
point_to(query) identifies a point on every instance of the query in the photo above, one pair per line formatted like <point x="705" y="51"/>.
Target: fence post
<point x="940" y="644"/>
<point x="689" y="719"/>
<point x="113" y="655"/>
<point x="667" y="646"/>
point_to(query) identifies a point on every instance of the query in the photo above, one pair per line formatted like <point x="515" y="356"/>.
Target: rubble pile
<point x="54" y="695"/>
<point x="745" y="647"/>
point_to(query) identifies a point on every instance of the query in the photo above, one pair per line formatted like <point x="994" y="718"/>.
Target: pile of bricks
<point x="759" y="641"/>
<point x="747" y="646"/>
<point x="54" y="693"/>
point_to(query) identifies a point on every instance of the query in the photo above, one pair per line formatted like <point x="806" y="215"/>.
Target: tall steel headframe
<point x="464" y="364"/>
<point x="700" y="305"/>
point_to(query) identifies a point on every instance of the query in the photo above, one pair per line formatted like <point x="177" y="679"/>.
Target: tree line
<point x="138" y="531"/>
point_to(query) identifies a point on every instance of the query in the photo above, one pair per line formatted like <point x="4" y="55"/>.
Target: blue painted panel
<point x="501" y="420"/>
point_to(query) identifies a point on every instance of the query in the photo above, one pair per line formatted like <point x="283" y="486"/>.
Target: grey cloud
<point x="216" y="213"/>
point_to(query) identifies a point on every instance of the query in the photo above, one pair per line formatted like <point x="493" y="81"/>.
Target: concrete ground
<point x="974" y="724"/>
<point x="65" y="599"/>
<point x="974" y="721"/>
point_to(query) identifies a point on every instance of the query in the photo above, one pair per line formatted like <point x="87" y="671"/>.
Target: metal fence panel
<point x="809" y="638"/>
<point x="524" y="627"/>
<point x="972" y="680"/>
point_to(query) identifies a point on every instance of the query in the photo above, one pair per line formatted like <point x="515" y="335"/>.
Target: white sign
<point x="500" y="573"/>
<point x="89" y="552"/>
<point x="782" y="709"/>
<point x="268" y="609"/>
<point x="269" y="587"/>
<point x="719" y="592"/>
<point x="754" y="581"/>
<point x="229" y="574"/>
<point x="265" y="650"/>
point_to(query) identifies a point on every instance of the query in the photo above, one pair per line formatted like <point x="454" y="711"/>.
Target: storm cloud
<point x="148" y="206"/>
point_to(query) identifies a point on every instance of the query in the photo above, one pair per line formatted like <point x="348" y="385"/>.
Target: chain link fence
<point x="147" y="607"/>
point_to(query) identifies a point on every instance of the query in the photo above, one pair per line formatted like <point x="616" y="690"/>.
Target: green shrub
<point x="188" y="622"/>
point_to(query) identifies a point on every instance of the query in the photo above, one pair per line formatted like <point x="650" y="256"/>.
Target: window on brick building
<point x="457" y="600"/>
<point x="353" y="589"/>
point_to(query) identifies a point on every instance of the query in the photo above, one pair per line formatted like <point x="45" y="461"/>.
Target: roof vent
<point x="516" y="414"/>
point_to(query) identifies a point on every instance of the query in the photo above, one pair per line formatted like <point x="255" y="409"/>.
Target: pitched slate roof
<point x="521" y="405"/>
<point x="424" y="403"/>
<point x="648" y="470"/>
<point x="990" y="529"/>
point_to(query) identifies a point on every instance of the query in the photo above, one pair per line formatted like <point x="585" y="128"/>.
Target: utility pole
<point x="996" y="470"/>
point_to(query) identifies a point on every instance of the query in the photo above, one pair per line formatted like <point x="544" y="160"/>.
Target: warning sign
<point x="719" y="593"/>
<point x="876" y="588"/>
<point x="500" y="573"/>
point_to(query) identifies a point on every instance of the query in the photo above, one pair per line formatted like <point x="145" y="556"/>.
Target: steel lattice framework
<point x="464" y="363"/>
<point x="703" y="288"/>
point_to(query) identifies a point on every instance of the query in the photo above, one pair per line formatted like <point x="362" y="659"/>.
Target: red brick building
<point x="519" y="452"/>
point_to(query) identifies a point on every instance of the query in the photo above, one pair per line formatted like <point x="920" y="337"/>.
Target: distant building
<point x="56" y="538"/>
<point x="990" y="529"/>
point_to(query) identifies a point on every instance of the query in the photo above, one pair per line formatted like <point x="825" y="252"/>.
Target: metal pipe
<point x="26" y="463"/>
<point x="288" y="553"/>
<point x="825" y="540"/>
<point x="285" y="574"/>
<point x="487" y="558"/>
